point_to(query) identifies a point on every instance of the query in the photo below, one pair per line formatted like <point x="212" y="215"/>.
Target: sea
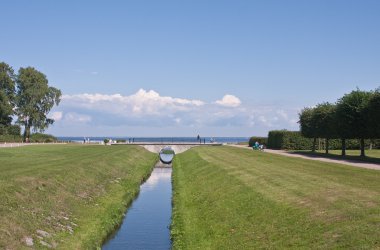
<point x="100" y="139"/>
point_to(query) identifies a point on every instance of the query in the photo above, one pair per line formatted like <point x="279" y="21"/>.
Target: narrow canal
<point x="146" y="224"/>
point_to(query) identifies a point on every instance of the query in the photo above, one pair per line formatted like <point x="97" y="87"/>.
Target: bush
<point x="14" y="130"/>
<point x="121" y="141"/>
<point x="10" y="130"/>
<point x="106" y="141"/>
<point x="10" y="138"/>
<point x="293" y="140"/>
<point x="290" y="140"/>
<point x="39" y="137"/>
<point x="260" y="140"/>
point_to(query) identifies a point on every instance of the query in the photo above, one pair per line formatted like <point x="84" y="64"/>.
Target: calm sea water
<point x="158" y="139"/>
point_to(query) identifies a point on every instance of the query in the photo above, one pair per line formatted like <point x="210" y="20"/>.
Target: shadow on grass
<point x="349" y="158"/>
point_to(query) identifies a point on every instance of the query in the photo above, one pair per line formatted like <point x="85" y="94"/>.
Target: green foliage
<point x="374" y="114"/>
<point x="10" y="138"/>
<point x="307" y="123"/>
<point x="352" y="114"/>
<point x="10" y="130"/>
<point x="121" y="141"/>
<point x="290" y="140"/>
<point x="260" y="140"/>
<point x="14" y="130"/>
<point x="7" y="92"/>
<point x="106" y="141"/>
<point x="325" y="120"/>
<point x="34" y="100"/>
<point x="39" y="137"/>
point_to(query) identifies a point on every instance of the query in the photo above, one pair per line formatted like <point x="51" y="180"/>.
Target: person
<point x="257" y="145"/>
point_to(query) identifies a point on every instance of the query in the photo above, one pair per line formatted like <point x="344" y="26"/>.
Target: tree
<point x="374" y="115"/>
<point x="325" y="122"/>
<point x="352" y="114"/>
<point x="34" y="100"/>
<point x="7" y="94"/>
<point x="308" y="125"/>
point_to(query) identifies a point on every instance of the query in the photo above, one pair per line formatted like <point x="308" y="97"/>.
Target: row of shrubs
<point x="260" y="140"/>
<point x="37" y="137"/>
<point x="10" y="130"/>
<point x="293" y="140"/>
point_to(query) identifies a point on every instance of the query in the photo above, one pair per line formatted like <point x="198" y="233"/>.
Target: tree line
<point x="27" y="96"/>
<point x="354" y="116"/>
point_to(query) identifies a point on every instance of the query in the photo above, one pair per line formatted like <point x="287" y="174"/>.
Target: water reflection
<point x="167" y="155"/>
<point x="146" y="224"/>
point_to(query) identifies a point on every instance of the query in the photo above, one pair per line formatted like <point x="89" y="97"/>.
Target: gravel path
<point x="319" y="158"/>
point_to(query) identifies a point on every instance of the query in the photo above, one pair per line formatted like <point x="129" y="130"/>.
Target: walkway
<point x="178" y="147"/>
<point x="319" y="158"/>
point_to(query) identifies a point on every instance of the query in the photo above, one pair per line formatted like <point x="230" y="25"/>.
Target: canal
<point x="146" y="224"/>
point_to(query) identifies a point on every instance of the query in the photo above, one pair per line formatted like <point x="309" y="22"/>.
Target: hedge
<point x="293" y="140"/>
<point x="290" y="140"/>
<point x="260" y="140"/>
<point x="10" y="130"/>
<point x="39" y="137"/>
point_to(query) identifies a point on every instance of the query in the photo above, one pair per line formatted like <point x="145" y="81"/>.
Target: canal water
<point x="146" y="224"/>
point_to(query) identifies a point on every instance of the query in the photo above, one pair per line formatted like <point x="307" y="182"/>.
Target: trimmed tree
<point x="352" y="114"/>
<point x="374" y="115"/>
<point x="7" y="94"/>
<point x="324" y="120"/>
<point x="34" y="100"/>
<point x="308" y="125"/>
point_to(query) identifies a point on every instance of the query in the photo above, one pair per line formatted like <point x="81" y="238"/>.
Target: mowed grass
<point x="374" y="153"/>
<point x="231" y="198"/>
<point x="77" y="194"/>
<point x="371" y="156"/>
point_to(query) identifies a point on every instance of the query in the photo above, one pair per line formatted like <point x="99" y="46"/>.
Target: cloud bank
<point x="149" y="111"/>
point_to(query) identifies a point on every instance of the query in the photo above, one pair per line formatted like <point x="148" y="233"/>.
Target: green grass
<point x="231" y="198"/>
<point x="372" y="156"/>
<point x="77" y="194"/>
<point x="374" y="153"/>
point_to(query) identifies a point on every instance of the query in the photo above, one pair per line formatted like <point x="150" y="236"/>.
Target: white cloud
<point x="150" y="111"/>
<point x="141" y="103"/>
<point x="229" y="101"/>
<point x="57" y="116"/>
<point x="77" y="118"/>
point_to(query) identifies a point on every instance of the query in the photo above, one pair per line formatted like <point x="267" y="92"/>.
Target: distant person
<point x="257" y="145"/>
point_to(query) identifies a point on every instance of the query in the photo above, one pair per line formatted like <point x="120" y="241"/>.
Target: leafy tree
<point x="308" y="125"/>
<point x="374" y="114"/>
<point x="324" y="120"/>
<point x="352" y="114"/>
<point x="7" y="90"/>
<point x="34" y="100"/>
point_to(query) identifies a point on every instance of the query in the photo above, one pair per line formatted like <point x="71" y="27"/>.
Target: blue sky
<point x="173" y="68"/>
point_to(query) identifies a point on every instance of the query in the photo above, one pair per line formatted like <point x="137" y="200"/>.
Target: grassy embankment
<point x="231" y="198"/>
<point x="77" y="194"/>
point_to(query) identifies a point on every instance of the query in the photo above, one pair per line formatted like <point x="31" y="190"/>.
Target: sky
<point x="183" y="68"/>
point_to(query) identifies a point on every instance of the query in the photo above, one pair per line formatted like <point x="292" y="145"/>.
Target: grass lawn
<point x="372" y="156"/>
<point x="374" y="153"/>
<point x="231" y="198"/>
<point x="75" y="194"/>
